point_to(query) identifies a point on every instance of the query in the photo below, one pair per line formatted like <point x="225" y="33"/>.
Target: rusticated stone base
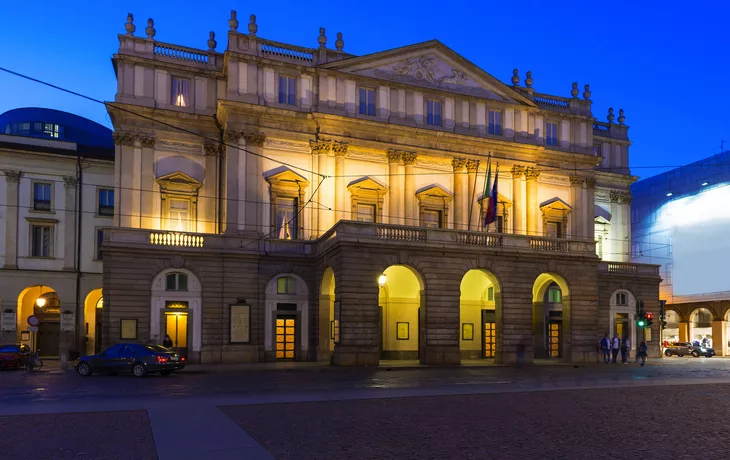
<point x="440" y="356"/>
<point x="345" y="356"/>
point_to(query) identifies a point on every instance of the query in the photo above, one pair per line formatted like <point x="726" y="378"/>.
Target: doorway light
<point x="382" y="279"/>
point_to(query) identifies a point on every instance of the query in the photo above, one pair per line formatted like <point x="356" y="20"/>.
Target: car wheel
<point x="84" y="369"/>
<point x="695" y="354"/>
<point x="680" y="355"/>
<point x="668" y="353"/>
<point x="709" y="356"/>
<point x="165" y="373"/>
<point x="139" y="370"/>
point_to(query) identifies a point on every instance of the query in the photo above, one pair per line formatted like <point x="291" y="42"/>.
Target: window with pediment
<point x="367" y="197"/>
<point x="179" y="194"/>
<point x="501" y="223"/>
<point x="555" y="213"/>
<point x="286" y="189"/>
<point x="433" y="204"/>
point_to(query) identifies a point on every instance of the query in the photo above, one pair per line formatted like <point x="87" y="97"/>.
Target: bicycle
<point x="33" y="363"/>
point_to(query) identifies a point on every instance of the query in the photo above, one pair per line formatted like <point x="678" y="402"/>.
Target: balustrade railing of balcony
<point x="551" y="101"/>
<point x="181" y="53"/>
<point x="271" y="48"/>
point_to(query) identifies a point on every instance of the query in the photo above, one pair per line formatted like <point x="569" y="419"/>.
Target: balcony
<point x="622" y="268"/>
<point x="348" y="232"/>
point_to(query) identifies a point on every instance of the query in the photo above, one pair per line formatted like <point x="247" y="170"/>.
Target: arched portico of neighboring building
<point x="551" y="317"/>
<point x="93" y="305"/>
<point x="480" y="315"/>
<point x="43" y="302"/>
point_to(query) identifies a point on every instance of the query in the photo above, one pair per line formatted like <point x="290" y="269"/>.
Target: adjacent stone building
<point x="283" y="202"/>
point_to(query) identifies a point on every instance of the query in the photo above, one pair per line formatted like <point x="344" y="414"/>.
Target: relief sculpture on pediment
<point x="426" y="69"/>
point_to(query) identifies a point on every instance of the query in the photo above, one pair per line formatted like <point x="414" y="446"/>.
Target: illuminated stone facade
<point x="308" y="173"/>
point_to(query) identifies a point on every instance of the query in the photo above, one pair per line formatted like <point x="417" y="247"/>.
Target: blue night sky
<point x="665" y="66"/>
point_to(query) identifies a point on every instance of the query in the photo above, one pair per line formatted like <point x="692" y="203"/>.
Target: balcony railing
<point x="282" y="50"/>
<point x="549" y="244"/>
<point x="552" y="101"/>
<point x="401" y="233"/>
<point x="181" y="53"/>
<point x="176" y="239"/>
<point x="628" y="268"/>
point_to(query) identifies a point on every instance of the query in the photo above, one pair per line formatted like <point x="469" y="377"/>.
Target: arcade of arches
<point x="701" y="323"/>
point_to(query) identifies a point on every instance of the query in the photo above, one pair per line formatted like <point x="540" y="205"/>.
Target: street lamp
<point x="382" y="280"/>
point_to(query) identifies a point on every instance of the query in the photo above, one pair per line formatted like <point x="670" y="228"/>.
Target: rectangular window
<point x="432" y="219"/>
<point x="366" y="213"/>
<point x="367" y="101"/>
<point x="286" y="218"/>
<point x="180" y="214"/>
<point x="42" y="196"/>
<point x="286" y="285"/>
<point x="551" y="133"/>
<point x="433" y="112"/>
<point x="41" y="241"/>
<point x="500" y="224"/>
<point x="287" y="90"/>
<point x="106" y="202"/>
<point x="180" y="92"/>
<point x="554" y="295"/>
<point x="554" y="230"/>
<point x="99" y="242"/>
<point x="495" y="122"/>
<point x="621" y="298"/>
<point x="490" y="293"/>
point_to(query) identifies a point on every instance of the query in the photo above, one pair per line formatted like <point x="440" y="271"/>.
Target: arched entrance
<point x="400" y="300"/>
<point x="176" y="310"/>
<point x="671" y="333"/>
<point x="700" y="326"/>
<point x="622" y="316"/>
<point x="93" y="305"/>
<point x="43" y="302"/>
<point x="480" y="306"/>
<point x="551" y="317"/>
<point x="328" y="327"/>
<point x="286" y="336"/>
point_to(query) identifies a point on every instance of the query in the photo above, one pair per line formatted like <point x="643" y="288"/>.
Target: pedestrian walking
<point x="623" y="351"/>
<point x="641" y="353"/>
<point x="615" y="348"/>
<point x="167" y="342"/>
<point x="627" y="346"/>
<point x="606" y="349"/>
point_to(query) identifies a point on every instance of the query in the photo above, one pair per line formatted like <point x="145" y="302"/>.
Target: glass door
<point x="554" y="331"/>
<point x="176" y="326"/>
<point x="286" y="328"/>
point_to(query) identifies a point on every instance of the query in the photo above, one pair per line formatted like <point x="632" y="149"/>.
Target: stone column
<point x="684" y="331"/>
<point x="409" y="194"/>
<point x="459" y="165"/>
<point x="123" y="170"/>
<point x="531" y="175"/>
<point x="320" y="149"/>
<point x="575" y="227"/>
<point x="590" y="208"/>
<point x="626" y="220"/>
<point x="251" y="170"/>
<point x="518" y="200"/>
<point x="207" y="199"/>
<point x="472" y="167"/>
<point x="134" y="186"/>
<point x="69" y="232"/>
<point x="148" y="196"/>
<point x="395" y="198"/>
<point x="12" y="179"/>
<point x="342" y="207"/>
<point x="719" y="337"/>
<point x="231" y="178"/>
<point x="326" y="216"/>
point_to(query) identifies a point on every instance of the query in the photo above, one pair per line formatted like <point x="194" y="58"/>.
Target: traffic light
<point x="640" y="315"/>
<point x="641" y="322"/>
<point x="649" y="319"/>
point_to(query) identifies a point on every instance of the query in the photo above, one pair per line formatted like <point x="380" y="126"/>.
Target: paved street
<point x="321" y="412"/>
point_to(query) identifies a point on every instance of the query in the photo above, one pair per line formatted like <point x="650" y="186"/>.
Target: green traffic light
<point x="641" y="323"/>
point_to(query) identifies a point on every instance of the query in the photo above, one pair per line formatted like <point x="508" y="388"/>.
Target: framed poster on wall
<point x="128" y="329"/>
<point x="336" y="322"/>
<point x="403" y="331"/>
<point x="240" y="322"/>
<point x="467" y="331"/>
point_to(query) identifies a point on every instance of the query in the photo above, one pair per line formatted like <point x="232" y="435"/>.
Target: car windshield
<point x="9" y="348"/>
<point x="158" y="349"/>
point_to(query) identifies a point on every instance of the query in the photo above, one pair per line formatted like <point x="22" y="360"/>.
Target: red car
<point x="13" y="356"/>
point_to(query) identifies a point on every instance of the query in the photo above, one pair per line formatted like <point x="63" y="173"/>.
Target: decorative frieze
<point x="178" y="146"/>
<point x="409" y="158"/>
<point x="123" y="138"/>
<point x="70" y="181"/>
<point x="518" y="171"/>
<point x="12" y="175"/>
<point x="532" y="173"/>
<point x="472" y="166"/>
<point x="254" y="139"/>
<point x="458" y="164"/>
<point x="620" y="197"/>
<point x="320" y="147"/>
<point x="287" y="145"/>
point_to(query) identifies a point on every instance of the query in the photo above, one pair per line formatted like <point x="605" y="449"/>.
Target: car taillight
<point x="182" y="359"/>
<point x="161" y="359"/>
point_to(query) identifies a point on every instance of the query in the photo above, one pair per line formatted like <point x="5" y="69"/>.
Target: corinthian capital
<point x="210" y="148"/>
<point x="70" y="181"/>
<point x="320" y="147"/>
<point x="409" y="158"/>
<point x="254" y="139"/>
<point x="518" y="171"/>
<point x="577" y="181"/>
<point x="232" y="136"/>
<point x="123" y="138"/>
<point x="147" y="142"/>
<point x="12" y="175"/>
<point x="458" y="164"/>
<point x="394" y="156"/>
<point x="472" y="166"/>
<point x="532" y="173"/>
<point x="340" y="148"/>
<point x="591" y="182"/>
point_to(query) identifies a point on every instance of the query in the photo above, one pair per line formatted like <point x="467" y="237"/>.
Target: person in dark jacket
<point x="167" y="342"/>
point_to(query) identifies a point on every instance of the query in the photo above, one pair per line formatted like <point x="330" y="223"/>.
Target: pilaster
<point x="149" y="195"/>
<point x="472" y="167"/>
<point x="460" y="217"/>
<point x="409" y="195"/>
<point x="518" y="198"/>
<point x="395" y="198"/>
<point x="590" y="209"/>
<point x="208" y="214"/>
<point x="250" y="170"/>
<point x="12" y="179"/>
<point x="531" y="175"/>
<point x="232" y="178"/>
<point x="320" y="149"/>
<point x="719" y="337"/>
<point x="620" y="215"/>
<point x="340" y="151"/>
<point x="576" y="227"/>
<point x="123" y="169"/>
<point x="69" y="233"/>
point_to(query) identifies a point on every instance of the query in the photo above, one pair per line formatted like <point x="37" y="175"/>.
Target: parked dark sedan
<point x="13" y="356"/>
<point x="686" y="348"/>
<point x="138" y="359"/>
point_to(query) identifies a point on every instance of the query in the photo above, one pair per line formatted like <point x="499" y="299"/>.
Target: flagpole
<point x="486" y="191"/>
<point x="473" y="196"/>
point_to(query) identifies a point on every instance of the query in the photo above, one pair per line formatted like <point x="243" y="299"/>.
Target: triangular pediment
<point x="556" y="204"/>
<point x="284" y="174"/>
<point x="431" y="65"/>
<point x="434" y="190"/>
<point x="178" y="181"/>
<point x="367" y="183"/>
<point x="602" y="215"/>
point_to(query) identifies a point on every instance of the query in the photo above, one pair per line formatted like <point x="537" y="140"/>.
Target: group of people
<point x="610" y="349"/>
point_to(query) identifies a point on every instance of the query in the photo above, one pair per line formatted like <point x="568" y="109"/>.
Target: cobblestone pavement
<point x="20" y="387"/>
<point x="619" y="423"/>
<point x="95" y="435"/>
